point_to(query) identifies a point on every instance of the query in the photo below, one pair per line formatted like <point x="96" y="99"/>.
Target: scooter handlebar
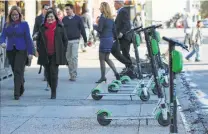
<point x="150" y="27"/>
<point x="175" y="42"/>
<point x="134" y="29"/>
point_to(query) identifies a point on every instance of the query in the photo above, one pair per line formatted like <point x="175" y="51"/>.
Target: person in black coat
<point x="51" y="46"/>
<point x="123" y="25"/>
<point x="38" y="22"/>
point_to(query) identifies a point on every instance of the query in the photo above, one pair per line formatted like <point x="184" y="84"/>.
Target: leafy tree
<point x="204" y="9"/>
<point x="61" y="3"/>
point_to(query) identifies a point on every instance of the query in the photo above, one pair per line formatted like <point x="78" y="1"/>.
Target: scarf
<point x="50" y="35"/>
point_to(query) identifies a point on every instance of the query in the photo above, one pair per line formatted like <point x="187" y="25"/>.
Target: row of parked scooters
<point x="158" y="80"/>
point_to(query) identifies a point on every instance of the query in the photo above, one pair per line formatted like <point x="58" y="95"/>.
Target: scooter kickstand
<point x="147" y="123"/>
<point x="131" y="97"/>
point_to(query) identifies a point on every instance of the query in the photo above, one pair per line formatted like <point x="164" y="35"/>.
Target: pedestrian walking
<point x="38" y="22"/>
<point x="123" y="25"/>
<point x="51" y="47"/>
<point x="74" y="27"/>
<point x="87" y="25"/>
<point x="187" y="23"/>
<point x="19" y="47"/>
<point x="106" y="30"/>
<point x="196" y="41"/>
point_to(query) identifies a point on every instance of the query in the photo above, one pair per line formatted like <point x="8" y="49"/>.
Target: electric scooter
<point x="160" y="112"/>
<point x="138" y="85"/>
<point x="175" y="66"/>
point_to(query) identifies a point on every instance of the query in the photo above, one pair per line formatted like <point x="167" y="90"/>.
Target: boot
<point x="53" y="94"/>
<point x="22" y="89"/>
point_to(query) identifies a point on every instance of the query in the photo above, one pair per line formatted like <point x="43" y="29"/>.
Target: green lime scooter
<point x="160" y="112"/>
<point x="175" y="66"/>
<point x="126" y="82"/>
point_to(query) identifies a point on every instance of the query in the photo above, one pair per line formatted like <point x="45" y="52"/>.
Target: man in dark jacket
<point x="38" y="21"/>
<point x="74" y="27"/>
<point x="123" y="25"/>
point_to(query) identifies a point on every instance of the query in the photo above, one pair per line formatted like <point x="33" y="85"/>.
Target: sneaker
<point x="188" y="59"/>
<point x="197" y="60"/>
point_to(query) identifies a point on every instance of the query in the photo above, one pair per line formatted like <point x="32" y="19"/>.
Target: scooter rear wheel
<point x="95" y="95"/>
<point x="101" y="119"/>
<point x="111" y="89"/>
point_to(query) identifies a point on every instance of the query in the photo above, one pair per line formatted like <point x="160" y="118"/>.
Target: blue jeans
<point x="195" y="50"/>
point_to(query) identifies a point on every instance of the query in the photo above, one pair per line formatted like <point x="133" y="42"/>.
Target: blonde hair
<point x="9" y="19"/>
<point x="106" y="10"/>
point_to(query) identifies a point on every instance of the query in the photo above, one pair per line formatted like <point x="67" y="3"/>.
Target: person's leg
<point x="125" y="48"/>
<point x="45" y="75"/>
<point x="116" y="52"/>
<point x="111" y="65"/>
<point x="102" y="67"/>
<point x="11" y="57"/>
<point x="53" y="76"/>
<point x="185" y="38"/>
<point x="74" y="58"/>
<point x="81" y="45"/>
<point x="190" y="54"/>
<point x="22" y="88"/>
<point x="47" y="70"/>
<point x="197" y="49"/>
<point x="19" y="66"/>
<point x="69" y="58"/>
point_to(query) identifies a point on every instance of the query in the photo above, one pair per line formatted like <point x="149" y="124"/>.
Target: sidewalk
<point x="74" y="111"/>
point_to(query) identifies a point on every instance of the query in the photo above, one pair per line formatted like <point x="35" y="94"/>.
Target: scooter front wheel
<point x="143" y="97"/>
<point x="163" y="122"/>
<point x="101" y="119"/>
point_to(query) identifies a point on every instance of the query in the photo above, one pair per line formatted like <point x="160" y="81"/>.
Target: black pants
<point x="17" y="60"/>
<point x="125" y="56"/>
<point x="104" y="57"/>
<point x="51" y="70"/>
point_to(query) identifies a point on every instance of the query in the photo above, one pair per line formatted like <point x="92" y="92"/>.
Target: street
<point x="74" y="111"/>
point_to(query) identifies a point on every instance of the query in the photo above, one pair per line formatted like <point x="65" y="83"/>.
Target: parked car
<point x="205" y="23"/>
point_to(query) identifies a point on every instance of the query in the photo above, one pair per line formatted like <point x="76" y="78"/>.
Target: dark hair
<point x="84" y="8"/>
<point x="53" y="12"/>
<point x="70" y="5"/>
<point x="52" y="9"/>
<point x="44" y="5"/>
<point x="198" y="22"/>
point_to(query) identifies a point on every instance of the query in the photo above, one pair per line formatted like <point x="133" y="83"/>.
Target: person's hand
<point x="3" y="45"/>
<point x="97" y="20"/>
<point x="120" y="35"/>
<point x="30" y="56"/>
<point x="36" y="54"/>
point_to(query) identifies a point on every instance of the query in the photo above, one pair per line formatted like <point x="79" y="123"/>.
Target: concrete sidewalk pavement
<point x="74" y="111"/>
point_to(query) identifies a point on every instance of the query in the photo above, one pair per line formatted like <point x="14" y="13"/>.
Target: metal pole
<point x="173" y="105"/>
<point x="6" y="8"/>
<point x="51" y="3"/>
